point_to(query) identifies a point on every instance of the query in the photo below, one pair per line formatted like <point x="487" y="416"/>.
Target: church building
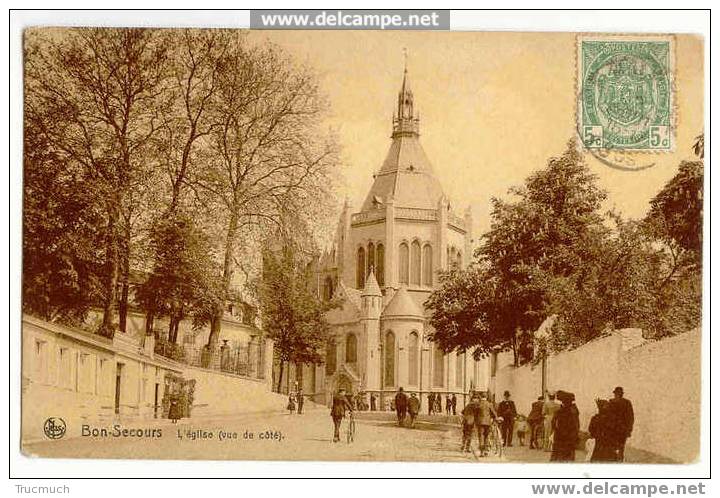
<point x="384" y="264"/>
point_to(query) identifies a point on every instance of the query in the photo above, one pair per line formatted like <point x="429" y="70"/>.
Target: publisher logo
<point x="54" y="428"/>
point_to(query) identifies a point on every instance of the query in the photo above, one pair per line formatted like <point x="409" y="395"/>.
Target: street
<point x="278" y="437"/>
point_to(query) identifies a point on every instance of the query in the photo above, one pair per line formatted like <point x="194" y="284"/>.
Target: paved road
<point x="278" y="437"/>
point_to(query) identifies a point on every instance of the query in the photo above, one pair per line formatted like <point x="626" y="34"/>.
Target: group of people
<point x="406" y="407"/>
<point x="296" y="400"/>
<point x="554" y="425"/>
<point x="435" y="404"/>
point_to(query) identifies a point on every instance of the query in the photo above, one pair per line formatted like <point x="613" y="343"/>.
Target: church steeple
<point x="405" y="121"/>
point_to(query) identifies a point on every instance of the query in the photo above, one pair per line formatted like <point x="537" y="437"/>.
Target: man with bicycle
<point x="340" y="405"/>
<point x="484" y="418"/>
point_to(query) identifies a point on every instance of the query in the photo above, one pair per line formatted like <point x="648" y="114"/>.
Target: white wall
<point x="661" y="378"/>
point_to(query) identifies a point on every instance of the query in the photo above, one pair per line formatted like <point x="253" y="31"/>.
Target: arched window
<point x="459" y="369"/>
<point x="370" y="258"/>
<point x="389" y="350"/>
<point x="415" y="263"/>
<point x="360" y="272"/>
<point x="328" y="289"/>
<point x="404" y="268"/>
<point x="351" y="349"/>
<point x="330" y="357"/>
<point x="413" y="352"/>
<point x="380" y="271"/>
<point x="438" y="367"/>
<point x="427" y="266"/>
<point x="452" y="258"/>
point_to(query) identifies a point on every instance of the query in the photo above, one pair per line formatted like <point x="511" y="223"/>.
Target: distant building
<point x="384" y="263"/>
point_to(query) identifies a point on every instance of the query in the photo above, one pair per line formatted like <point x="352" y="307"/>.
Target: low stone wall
<point x="219" y="393"/>
<point x="661" y="378"/>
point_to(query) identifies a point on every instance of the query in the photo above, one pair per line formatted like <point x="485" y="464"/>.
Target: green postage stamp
<point x="626" y="92"/>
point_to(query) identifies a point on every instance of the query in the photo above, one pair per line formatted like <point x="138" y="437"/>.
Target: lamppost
<point x="422" y="350"/>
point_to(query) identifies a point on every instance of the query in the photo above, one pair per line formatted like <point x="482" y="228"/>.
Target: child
<point x="291" y="403"/>
<point x="521" y="426"/>
<point x="468" y="423"/>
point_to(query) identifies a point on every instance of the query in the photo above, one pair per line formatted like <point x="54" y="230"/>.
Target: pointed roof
<point x="371" y="286"/>
<point x="406" y="174"/>
<point x="353" y="295"/>
<point x="402" y="305"/>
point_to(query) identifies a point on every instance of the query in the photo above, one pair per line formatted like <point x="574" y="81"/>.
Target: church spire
<point x="405" y="121"/>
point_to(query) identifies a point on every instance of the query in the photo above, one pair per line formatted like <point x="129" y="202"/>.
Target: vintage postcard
<point x="357" y="245"/>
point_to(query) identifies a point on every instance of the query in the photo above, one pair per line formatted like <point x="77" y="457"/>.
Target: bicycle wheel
<point x="497" y="444"/>
<point x="351" y="431"/>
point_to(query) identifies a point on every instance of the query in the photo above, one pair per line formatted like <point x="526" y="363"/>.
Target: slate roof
<point x="402" y="304"/>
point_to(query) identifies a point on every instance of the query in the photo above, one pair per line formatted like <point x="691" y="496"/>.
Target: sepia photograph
<point x="358" y="245"/>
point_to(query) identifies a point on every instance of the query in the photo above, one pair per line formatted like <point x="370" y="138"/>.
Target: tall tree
<point x="551" y="229"/>
<point x="61" y="231"/>
<point x="93" y="94"/>
<point x="292" y="314"/>
<point x="266" y="151"/>
<point x="183" y="281"/>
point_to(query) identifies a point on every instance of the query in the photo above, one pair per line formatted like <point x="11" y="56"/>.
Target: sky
<point x="494" y="107"/>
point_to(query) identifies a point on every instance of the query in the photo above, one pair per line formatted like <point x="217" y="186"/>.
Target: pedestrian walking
<point x="508" y="412"/>
<point x="300" y="401"/>
<point x="291" y="403"/>
<point x="623" y="417"/>
<point x="550" y="408"/>
<point x="401" y="404"/>
<point x="438" y="403"/>
<point x="535" y="421"/>
<point x="373" y="402"/>
<point x="565" y="428"/>
<point x="521" y="427"/>
<point x="454" y="404"/>
<point x="484" y="418"/>
<point x="448" y="405"/>
<point x="174" y="412"/>
<point x="413" y="408"/>
<point x="602" y="430"/>
<point x="431" y="403"/>
<point x="340" y="406"/>
<point x="469" y="414"/>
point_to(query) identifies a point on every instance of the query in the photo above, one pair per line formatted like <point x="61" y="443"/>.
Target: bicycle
<point x="350" y="430"/>
<point x="495" y="440"/>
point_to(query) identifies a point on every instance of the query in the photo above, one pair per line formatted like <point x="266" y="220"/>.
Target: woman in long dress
<point x="291" y="403"/>
<point x="566" y="427"/>
<point x="601" y="430"/>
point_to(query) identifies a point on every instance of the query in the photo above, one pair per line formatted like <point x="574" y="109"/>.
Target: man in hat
<point x="413" y="408"/>
<point x="340" y="405"/>
<point x="300" y="400"/>
<point x="622" y="416"/>
<point x="401" y="404"/>
<point x="535" y="421"/>
<point x="508" y="412"/>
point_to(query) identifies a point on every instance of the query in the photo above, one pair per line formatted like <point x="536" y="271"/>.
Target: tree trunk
<point x="215" y="325"/>
<point x="111" y="272"/>
<point x="124" y="279"/>
<point x="149" y="322"/>
<point x="280" y="376"/>
<point x="516" y="353"/>
<point x="171" y="328"/>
